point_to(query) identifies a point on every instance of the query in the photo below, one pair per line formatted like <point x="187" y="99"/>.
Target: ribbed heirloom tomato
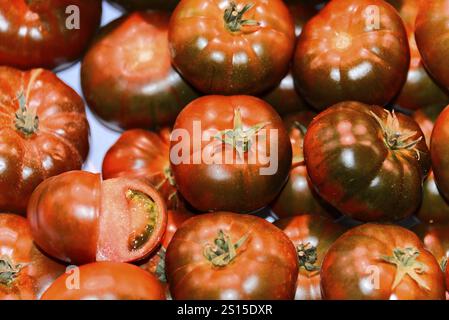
<point x="229" y="153"/>
<point x="77" y="218"/>
<point x="46" y="34"/>
<point x="381" y="262"/>
<point x="432" y="30"/>
<point x="231" y="256"/>
<point x="24" y="271"/>
<point x="352" y="50"/>
<point x="106" y="281"/>
<point x="44" y="132"/>
<point x="312" y="236"/>
<point x="419" y="90"/>
<point x="439" y="149"/>
<point x="232" y="47"/>
<point x="367" y="162"/>
<point x="127" y="77"/>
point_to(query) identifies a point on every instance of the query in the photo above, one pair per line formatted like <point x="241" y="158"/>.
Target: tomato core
<point x="342" y="41"/>
<point x="233" y="17"/>
<point x="143" y="214"/>
<point x="223" y="251"/>
<point x="8" y="271"/>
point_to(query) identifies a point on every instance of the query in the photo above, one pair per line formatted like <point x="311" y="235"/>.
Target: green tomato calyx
<point x="233" y="17"/>
<point x="307" y="256"/>
<point x="223" y="251"/>
<point x="406" y="264"/>
<point x="8" y="270"/>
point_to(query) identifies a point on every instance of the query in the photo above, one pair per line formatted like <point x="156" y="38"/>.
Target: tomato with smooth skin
<point x="127" y="78"/>
<point x="132" y="5"/>
<point x="342" y="55"/>
<point x="46" y="34"/>
<point x="106" y="281"/>
<point x="367" y="162"/>
<point x="231" y="256"/>
<point x="77" y="218"/>
<point x="229" y="153"/>
<point x="232" y="47"/>
<point x="44" y="132"/>
<point x="419" y="90"/>
<point x="436" y="240"/>
<point x="25" y="272"/>
<point x="434" y="209"/>
<point x="380" y="262"/>
<point x="312" y="236"/>
<point x="431" y="32"/>
<point x="284" y="98"/>
<point x="439" y="149"/>
<point x="298" y="196"/>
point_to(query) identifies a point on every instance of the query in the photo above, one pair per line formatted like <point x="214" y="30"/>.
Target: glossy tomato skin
<point x="57" y="142"/>
<point x="217" y="60"/>
<point x="338" y="59"/>
<point x="355" y="169"/>
<point x="47" y="41"/>
<point x="298" y="196"/>
<point x="33" y="271"/>
<point x="77" y="218"/>
<point x="431" y="31"/>
<point x="356" y="266"/>
<point x="225" y="176"/>
<point x="434" y="209"/>
<point x="134" y="86"/>
<point x="436" y="240"/>
<point x="440" y="152"/>
<point x="266" y="259"/>
<point x="147" y="4"/>
<point x="106" y="281"/>
<point x="318" y="234"/>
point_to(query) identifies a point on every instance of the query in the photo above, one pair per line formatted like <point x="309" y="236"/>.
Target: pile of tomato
<point x="327" y="117"/>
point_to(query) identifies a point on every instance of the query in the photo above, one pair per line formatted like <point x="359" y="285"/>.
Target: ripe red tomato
<point x="434" y="209"/>
<point x="229" y="153"/>
<point x="436" y="240"/>
<point x="147" y="4"/>
<point x="431" y="31"/>
<point x="24" y="271"/>
<point x="46" y="34"/>
<point x="367" y="162"/>
<point x="127" y="77"/>
<point x="297" y="197"/>
<point x="419" y="89"/>
<point x="439" y="149"/>
<point x="44" y="132"/>
<point x="106" y="281"/>
<point x="78" y="218"/>
<point x="284" y="98"/>
<point x="312" y="236"/>
<point x="231" y="256"/>
<point x="225" y="47"/>
<point x="343" y="55"/>
<point x="380" y="262"/>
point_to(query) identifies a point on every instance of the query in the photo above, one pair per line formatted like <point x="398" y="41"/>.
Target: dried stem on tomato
<point x="233" y="17"/>
<point x="223" y="251"/>
<point x="307" y="256"/>
<point x="8" y="270"/>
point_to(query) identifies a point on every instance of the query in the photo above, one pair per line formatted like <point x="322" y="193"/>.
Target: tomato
<point x="77" y="218"/>
<point x="44" y="132"/>
<point x="380" y="262"/>
<point x="312" y="236"/>
<point x="126" y="75"/>
<point x="284" y="98"/>
<point x="436" y="240"/>
<point x="367" y="162"/>
<point x="46" y="34"/>
<point x="230" y="256"/>
<point x="227" y="47"/>
<point x="106" y="281"/>
<point x="434" y="209"/>
<point x="419" y="89"/>
<point x="229" y="153"/>
<point x="439" y="150"/>
<point x="342" y="55"/>
<point x="24" y="271"/>
<point x="147" y="4"/>
<point x="297" y="197"/>
<point x="431" y="32"/>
